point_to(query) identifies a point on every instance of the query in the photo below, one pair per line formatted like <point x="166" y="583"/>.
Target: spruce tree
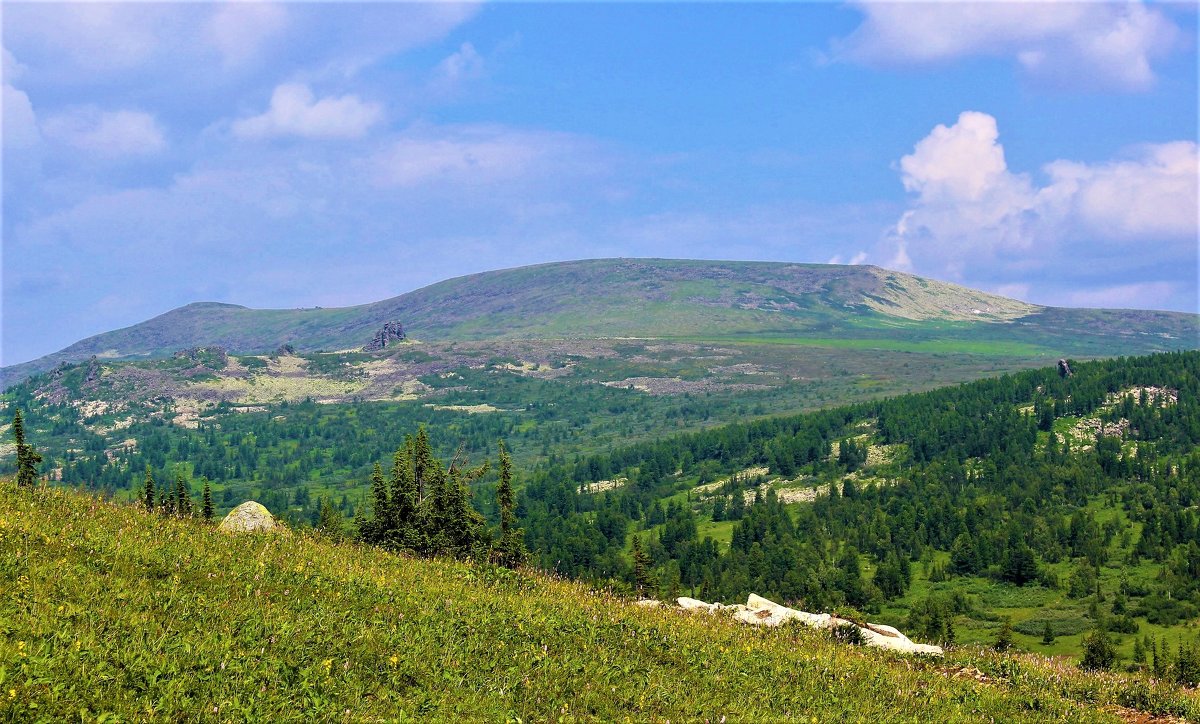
<point x="208" y="503"/>
<point x="510" y="550"/>
<point x="405" y="500"/>
<point x="183" y="499"/>
<point x="330" y="521"/>
<point x="641" y="567"/>
<point x="1047" y="634"/>
<point x="1004" y="640"/>
<point x="375" y="529"/>
<point x="148" y="491"/>
<point x="27" y="458"/>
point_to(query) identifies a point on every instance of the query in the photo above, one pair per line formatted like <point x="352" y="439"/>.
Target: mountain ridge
<point x="645" y="298"/>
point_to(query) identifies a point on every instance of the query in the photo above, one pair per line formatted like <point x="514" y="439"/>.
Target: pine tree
<point x="510" y="550"/>
<point x="27" y="458"/>
<point x="148" y="491"/>
<point x="641" y="567"/>
<point x="208" y="503"/>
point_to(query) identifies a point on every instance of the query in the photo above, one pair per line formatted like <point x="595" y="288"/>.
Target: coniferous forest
<point x="945" y="512"/>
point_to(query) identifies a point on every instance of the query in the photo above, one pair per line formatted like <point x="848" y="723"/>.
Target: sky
<point x="307" y="154"/>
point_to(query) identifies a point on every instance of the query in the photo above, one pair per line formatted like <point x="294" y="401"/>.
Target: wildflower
<point x="394" y="660"/>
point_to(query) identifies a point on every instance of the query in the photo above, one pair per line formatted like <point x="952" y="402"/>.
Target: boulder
<point x="692" y="604"/>
<point x="249" y="517"/>
<point x="759" y="611"/>
<point x="647" y="603"/>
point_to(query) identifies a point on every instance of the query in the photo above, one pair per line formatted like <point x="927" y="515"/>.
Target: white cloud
<point x="973" y="218"/>
<point x="1141" y="294"/>
<point x="239" y="30"/>
<point x="295" y="111"/>
<point x="1153" y="193"/>
<point x="106" y="133"/>
<point x="1014" y="290"/>
<point x="463" y="64"/>
<point x="1099" y="43"/>
<point x="474" y="155"/>
<point x="20" y="124"/>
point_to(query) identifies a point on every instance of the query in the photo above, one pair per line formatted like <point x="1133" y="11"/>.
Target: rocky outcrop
<point x="759" y="611"/>
<point x="249" y="517"/>
<point x="93" y="370"/>
<point x="285" y="350"/>
<point x="390" y="333"/>
<point x="1064" y="369"/>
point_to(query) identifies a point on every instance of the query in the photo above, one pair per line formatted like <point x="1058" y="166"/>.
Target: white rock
<point x="249" y="517"/>
<point x="648" y="603"/>
<point x="692" y="604"/>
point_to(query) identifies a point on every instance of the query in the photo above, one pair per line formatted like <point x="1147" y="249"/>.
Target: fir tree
<point x="510" y="550"/>
<point x="208" y="502"/>
<point x="1047" y="634"/>
<point x="148" y="491"/>
<point x="27" y="458"/>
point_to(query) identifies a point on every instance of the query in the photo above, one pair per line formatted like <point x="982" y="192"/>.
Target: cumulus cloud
<point x="1072" y="43"/>
<point x="106" y="133"/>
<point x="295" y="111"/>
<point x="971" y="217"/>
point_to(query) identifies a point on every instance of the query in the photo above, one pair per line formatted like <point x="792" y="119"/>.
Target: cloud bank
<point x="1098" y="44"/>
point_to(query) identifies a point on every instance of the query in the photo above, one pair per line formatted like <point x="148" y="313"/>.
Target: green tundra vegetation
<point x="113" y="613"/>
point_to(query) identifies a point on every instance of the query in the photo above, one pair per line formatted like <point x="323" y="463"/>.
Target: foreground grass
<point x="108" y="612"/>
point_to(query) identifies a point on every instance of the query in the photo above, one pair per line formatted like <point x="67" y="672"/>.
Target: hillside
<point x="652" y="298"/>
<point x="113" y="613"/>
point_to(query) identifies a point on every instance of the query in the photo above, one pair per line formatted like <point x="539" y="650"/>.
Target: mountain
<point x="114" y="613"/>
<point x="653" y="298"/>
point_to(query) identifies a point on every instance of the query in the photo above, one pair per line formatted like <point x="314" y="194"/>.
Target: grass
<point x="110" y="613"/>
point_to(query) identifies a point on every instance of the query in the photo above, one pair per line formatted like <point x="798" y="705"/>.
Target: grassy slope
<point x="654" y="298"/>
<point x="108" y="610"/>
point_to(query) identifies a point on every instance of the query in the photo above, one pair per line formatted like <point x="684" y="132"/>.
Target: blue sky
<point x="301" y="154"/>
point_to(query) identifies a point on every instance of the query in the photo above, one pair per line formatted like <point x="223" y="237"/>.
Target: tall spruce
<point x="207" y="501"/>
<point x="27" y="458"/>
<point x="148" y="491"/>
<point x="405" y="529"/>
<point x="183" y="498"/>
<point x="641" y="568"/>
<point x="373" y="529"/>
<point x="510" y="549"/>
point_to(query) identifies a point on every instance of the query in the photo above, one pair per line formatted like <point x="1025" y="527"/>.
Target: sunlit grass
<point x="109" y="610"/>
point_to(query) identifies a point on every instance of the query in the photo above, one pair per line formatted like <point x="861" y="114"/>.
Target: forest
<point x="1082" y="486"/>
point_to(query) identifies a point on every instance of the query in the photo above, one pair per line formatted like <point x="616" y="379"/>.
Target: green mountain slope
<point x="110" y="613"/>
<point x="654" y="298"/>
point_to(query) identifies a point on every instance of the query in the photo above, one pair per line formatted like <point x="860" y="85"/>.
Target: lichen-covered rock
<point x="249" y="517"/>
